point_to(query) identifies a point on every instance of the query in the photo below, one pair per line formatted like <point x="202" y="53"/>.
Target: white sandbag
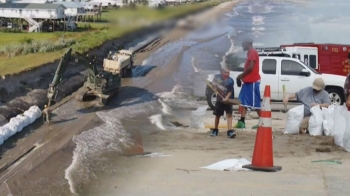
<point x="294" y="118"/>
<point x="31" y="116"/>
<point x="196" y="119"/>
<point x="346" y="137"/>
<point x="17" y="123"/>
<point x="2" y="135"/>
<point x="328" y="120"/>
<point x="315" y="121"/>
<point x="25" y="120"/>
<point x="340" y="111"/>
<point x="36" y="110"/>
<point x="5" y="132"/>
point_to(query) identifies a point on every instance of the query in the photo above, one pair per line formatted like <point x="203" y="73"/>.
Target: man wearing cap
<point x="250" y="92"/>
<point x="310" y="97"/>
<point x="223" y="85"/>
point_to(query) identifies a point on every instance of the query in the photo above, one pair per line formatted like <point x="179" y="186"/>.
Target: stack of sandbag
<point x="17" y="123"/>
<point x="332" y="121"/>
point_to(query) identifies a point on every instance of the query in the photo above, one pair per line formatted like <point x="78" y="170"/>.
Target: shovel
<point x="284" y="96"/>
<point x="229" y="101"/>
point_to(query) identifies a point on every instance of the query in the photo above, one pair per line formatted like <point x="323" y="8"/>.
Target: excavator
<point x="102" y="84"/>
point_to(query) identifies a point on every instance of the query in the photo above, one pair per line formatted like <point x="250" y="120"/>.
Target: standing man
<point x="46" y="115"/>
<point x="223" y="85"/>
<point x="250" y="93"/>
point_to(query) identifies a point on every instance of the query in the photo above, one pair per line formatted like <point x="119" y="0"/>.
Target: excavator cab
<point x="99" y="83"/>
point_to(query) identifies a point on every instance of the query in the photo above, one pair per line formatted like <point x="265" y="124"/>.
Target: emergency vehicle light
<point x="304" y="43"/>
<point x="269" y="49"/>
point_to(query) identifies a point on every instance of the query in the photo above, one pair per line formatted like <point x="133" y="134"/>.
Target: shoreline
<point x="24" y="168"/>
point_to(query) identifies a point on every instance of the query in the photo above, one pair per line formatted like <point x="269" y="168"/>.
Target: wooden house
<point x="72" y="8"/>
<point x="32" y="10"/>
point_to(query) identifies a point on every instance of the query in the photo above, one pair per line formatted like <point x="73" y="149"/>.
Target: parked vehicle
<point x="324" y="58"/>
<point x="276" y="72"/>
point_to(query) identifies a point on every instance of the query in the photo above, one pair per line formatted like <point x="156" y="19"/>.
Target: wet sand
<point x="47" y="151"/>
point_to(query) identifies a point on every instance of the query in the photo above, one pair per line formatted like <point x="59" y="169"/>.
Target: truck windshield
<point x="312" y="69"/>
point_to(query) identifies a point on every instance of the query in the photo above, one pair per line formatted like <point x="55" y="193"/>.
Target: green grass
<point x="114" y="24"/>
<point x="6" y="38"/>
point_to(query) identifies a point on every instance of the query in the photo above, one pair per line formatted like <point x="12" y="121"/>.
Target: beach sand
<point x="190" y="149"/>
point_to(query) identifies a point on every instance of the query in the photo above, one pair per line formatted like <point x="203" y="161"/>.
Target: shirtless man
<point x="46" y="113"/>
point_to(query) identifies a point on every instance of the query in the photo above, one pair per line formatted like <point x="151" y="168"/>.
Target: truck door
<point x="290" y="77"/>
<point x="269" y="76"/>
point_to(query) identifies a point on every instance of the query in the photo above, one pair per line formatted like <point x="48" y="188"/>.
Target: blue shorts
<point x="250" y="95"/>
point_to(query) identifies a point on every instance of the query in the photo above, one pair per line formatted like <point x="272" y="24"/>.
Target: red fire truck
<point x="325" y="58"/>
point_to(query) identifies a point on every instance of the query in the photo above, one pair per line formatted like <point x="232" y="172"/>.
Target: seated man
<point x="310" y="96"/>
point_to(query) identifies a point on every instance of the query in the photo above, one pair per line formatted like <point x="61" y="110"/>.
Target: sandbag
<point x="294" y="118"/>
<point x="17" y="124"/>
<point x="3" y="120"/>
<point x="196" y="119"/>
<point x="18" y="104"/>
<point x="25" y="120"/>
<point x="36" y="111"/>
<point x="36" y="97"/>
<point x="5" y="132"/>
<point x="7" y="112"/>
<point x="315" y="121"/>
<point x="33" y="113"/>
<point x="30" y="115"/>
<point x="346" y="137"/>
<point x="340" y="111"/>
<point x="328" y="120"/>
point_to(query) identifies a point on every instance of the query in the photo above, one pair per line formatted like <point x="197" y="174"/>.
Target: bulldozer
<point x="120" y="62"/>
<point x="101" y="84"/>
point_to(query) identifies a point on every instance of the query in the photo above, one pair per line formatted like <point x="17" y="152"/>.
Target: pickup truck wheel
<point x="211" y="97"/>
<point x="336" y="96"/>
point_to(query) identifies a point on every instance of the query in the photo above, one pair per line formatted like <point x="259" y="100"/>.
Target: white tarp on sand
<point x="229" y="165"/>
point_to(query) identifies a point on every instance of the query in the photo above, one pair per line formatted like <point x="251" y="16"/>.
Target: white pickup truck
<point x="276" y="72"/>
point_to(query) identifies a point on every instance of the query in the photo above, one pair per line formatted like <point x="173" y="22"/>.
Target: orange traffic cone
<point x="263" y="150"/>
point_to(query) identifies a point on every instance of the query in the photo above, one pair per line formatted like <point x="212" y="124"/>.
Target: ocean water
<point x="270" y="23"/>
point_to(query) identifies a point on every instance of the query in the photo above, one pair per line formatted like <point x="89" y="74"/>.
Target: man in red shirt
<point x="250" y="92"/>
